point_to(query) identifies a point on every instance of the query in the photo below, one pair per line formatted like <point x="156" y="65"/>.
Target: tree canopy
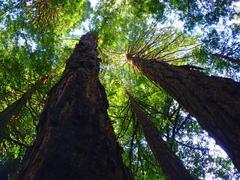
<point x="37" y="36"/>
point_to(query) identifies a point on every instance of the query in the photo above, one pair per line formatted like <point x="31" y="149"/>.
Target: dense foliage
<point x="37" y="37"/>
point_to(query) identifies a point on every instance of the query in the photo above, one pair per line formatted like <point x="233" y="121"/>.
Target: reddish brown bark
<point x="75" y="139"/>
<point x="171" y="165"/>
<point x="214" y="101"/>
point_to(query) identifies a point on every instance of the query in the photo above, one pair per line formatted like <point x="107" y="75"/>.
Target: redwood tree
<point x="75" y="139"/>
<point x="214" y="101"/>
<point x="171" y="165"/>
<point x="13" y="109"/>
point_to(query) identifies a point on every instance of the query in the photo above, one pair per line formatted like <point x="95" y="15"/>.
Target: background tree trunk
<point x="15" y="108"/>
<point x="214" y="101"/>
<point x="75" y="139"/>
<point x="227" y="58"/>
<point x="169" y="162"/>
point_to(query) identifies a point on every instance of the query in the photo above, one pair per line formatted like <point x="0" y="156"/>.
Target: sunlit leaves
<point x="147" y="7"/>
<point x="35" y="43"/>
<point x="204" y="13"/>
<point x="162" y="44"/>
<point x="55" y="15"/>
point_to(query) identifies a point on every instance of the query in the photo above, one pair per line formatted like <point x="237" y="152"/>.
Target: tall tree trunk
<point x="14" y="109"/>
<point x="214" y="101"/>
<point x="171" y="165"/>
<point x="75" y="139"/>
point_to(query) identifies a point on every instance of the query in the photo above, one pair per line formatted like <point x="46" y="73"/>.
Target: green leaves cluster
<point x="35" y="42"/>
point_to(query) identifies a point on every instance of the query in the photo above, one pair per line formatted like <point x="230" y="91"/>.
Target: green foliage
<point x="35" y="42"/>
<point x="203" y="12"/>
<point x="149" y="7"/>
<point x="29" y="53"/>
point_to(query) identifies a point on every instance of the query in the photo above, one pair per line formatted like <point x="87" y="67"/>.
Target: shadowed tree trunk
<point x="75" y="139"/>
<point x="14" y="109"/>
<point x="171" y="165"/>
<point x="227" y="58"/>
<point x="214" y="101"/>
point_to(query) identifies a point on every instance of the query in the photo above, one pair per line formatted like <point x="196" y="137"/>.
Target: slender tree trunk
<point x="171" y="165"/>
<point x="227" y="58"/>
<point x="75" y="139"/>
<point x="214" y="101"/>
<point x="14" y="109"/>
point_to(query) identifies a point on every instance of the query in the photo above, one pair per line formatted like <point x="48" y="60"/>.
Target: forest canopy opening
<point x="178" y="59"/>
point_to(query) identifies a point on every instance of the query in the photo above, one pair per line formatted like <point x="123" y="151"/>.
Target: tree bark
<point x="214" y="101"/>
<point x="75" y="139"/>
<point x="14" y="109"/>
<point x="171" y="165"/>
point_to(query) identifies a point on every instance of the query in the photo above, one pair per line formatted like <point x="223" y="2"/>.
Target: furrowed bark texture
<point x="171" y="165"/>
<point x="214" y="101"/>
<point x="75" y="139"/>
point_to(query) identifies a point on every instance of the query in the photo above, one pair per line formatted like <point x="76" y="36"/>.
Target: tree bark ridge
<point x="214" y="101"/>
<point x="75" y="139"/>
<point x="171" y="165"/>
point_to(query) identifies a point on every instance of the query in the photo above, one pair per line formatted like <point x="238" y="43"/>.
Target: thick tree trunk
<point x="214" y="101"/>
<point x="75" y="139"/>
<point x="171" y="165"/>
<point x="14" y="109"/>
